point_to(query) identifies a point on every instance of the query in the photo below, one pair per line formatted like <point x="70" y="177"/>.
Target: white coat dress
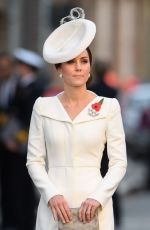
<point x="64" y="156"/>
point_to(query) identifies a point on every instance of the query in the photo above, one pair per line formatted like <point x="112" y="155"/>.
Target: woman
<point x="68" y="133"/>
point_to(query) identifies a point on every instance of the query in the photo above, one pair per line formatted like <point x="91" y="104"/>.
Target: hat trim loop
<point x="75" y="13"/>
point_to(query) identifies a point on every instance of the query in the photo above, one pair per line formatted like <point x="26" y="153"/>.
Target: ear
<point x="59" y="70"/>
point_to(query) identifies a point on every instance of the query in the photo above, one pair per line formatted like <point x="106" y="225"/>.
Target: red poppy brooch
<point x="95" y="108"/>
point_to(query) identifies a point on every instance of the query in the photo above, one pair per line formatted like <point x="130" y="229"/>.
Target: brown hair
<point x="90" y="58"/>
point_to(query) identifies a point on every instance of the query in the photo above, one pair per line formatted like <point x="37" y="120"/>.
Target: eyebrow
<point x="83" y="57"/>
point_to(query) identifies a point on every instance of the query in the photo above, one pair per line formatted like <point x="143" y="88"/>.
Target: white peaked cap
<point x="28" y="57"/>
<point x="69" y="39"/>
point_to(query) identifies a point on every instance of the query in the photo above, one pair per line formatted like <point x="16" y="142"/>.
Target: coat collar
<point x="51" y="107"/>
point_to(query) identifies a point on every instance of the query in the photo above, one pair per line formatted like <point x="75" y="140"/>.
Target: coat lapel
<point x="52" y="108"/>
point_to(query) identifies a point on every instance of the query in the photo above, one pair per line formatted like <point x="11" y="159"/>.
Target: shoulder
<point x="111" y="105"/>
<point x="113" y="102"/>
<point x="42" y="103"/>
<point x="114" y="106"/>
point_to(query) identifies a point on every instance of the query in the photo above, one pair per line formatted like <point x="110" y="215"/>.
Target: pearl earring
<point x="60" y="75"/>
<point x="89" y="75"/>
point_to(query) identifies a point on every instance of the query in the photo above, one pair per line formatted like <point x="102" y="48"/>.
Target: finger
<point x="64" y="213"/>
<point x="80" y="216"/>
<point x="60" y="215"/>
<point x="68" y="211"/>
<point x="93" y="209"/>
<point x="83" y="212"/>
<point x="54" y="213"/>
<point x="88" y="213"/>
<point x="80" y="212"/>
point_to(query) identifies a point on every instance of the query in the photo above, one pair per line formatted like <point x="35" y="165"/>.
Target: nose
<point x="78" y="66"/>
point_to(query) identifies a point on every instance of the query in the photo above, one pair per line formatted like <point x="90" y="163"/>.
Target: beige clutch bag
<point x="76" y="224"/>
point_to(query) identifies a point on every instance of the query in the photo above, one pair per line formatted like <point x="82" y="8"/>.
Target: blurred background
<point x="121" y="69"/>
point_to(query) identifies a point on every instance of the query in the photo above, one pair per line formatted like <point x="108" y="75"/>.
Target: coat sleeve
<point x="116" y="149"/>
<point x="36" y="155"/>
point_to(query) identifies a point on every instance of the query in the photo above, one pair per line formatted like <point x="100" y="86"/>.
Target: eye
<point x="70" y="62"/>
<point x="85" y="61"/>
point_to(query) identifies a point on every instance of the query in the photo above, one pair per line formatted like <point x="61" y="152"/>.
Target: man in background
<point x="22" y="195"/>
<point x="8" y="81"/>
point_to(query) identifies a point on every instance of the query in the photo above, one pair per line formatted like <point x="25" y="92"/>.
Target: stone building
<point x="123" y="28"/>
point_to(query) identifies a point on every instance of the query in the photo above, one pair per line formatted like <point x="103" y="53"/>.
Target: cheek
<point x="66" y="75"/>
<point x="87" y="70"/>
<point x="66" y="71"/>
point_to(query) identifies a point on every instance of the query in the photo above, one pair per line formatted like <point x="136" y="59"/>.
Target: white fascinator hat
<point x="71" y="38"/>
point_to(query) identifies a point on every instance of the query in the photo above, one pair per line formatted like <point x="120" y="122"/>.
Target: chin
<point x="79" y="83"/>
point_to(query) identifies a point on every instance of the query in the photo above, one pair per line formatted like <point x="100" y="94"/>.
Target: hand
<point x="60" y="208"/>
<point x="88" y="209"/>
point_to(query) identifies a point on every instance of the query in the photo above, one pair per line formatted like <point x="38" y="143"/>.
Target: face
<point x="5" y="68"/>
<point x="23" y="69"/>
<point x="76" y="71"/>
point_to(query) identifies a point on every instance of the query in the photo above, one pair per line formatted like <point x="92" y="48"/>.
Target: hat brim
<point x="68" y="41"/>
<point x="28" y="57"/>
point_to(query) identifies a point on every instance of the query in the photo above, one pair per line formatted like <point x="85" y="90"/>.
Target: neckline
<point x="66" y="113"/>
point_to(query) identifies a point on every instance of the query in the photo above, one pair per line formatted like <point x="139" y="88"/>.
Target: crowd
<point x="20" y="85"/>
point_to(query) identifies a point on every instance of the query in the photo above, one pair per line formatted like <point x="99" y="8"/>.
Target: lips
<point x="77" y="75"/>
